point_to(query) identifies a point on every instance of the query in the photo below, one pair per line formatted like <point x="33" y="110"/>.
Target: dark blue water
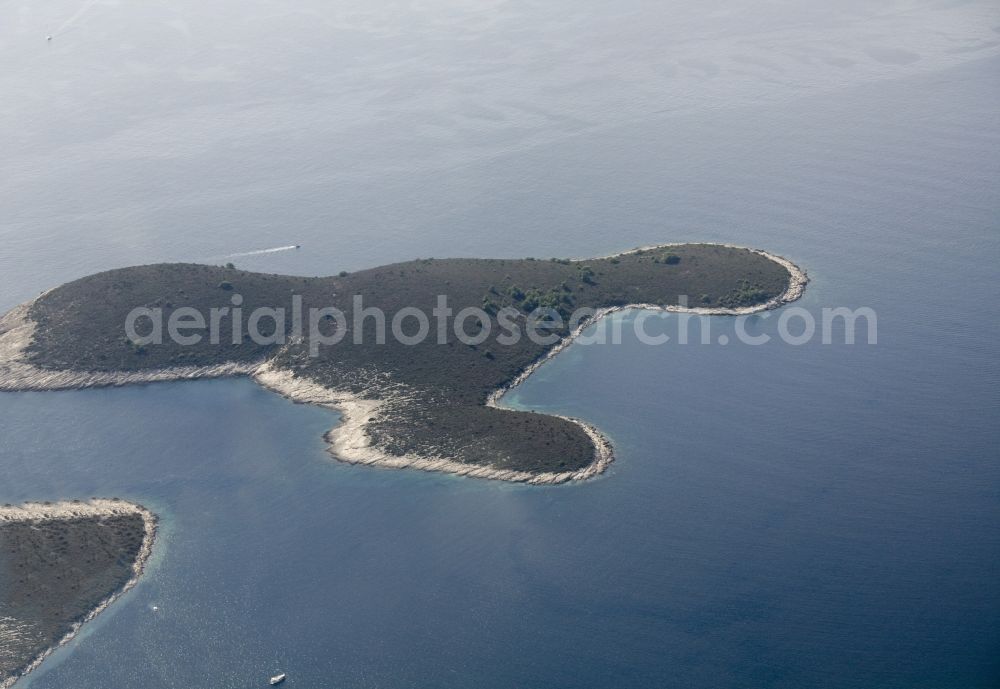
<point x="778" y="516"/>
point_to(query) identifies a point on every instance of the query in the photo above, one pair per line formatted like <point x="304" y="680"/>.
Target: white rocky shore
<point x="604" y="454"/>
<point x="17" y="374"/>
<point x="349" y="440"/>
<point x="68" y="510"/>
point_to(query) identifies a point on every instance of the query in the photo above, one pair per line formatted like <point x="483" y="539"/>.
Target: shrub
<point x="344" y="274"/>
<point x="671" y="259"/>
<point x="225" y="284"/>
<point x="230" y="266"/>
<point x="747" y="294"/>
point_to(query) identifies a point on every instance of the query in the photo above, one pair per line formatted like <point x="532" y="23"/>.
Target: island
<point x="432" y="404"/>
<point x="61" y="564"/>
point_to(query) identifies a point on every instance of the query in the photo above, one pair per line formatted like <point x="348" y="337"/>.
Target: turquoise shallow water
<point x="778" y="516"/>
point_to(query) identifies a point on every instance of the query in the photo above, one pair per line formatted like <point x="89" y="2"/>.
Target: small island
<point x="61" y="564"/>
<point x="431" y="405"/>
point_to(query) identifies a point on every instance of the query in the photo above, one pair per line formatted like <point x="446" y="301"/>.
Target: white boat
<point x="278" y="679"/>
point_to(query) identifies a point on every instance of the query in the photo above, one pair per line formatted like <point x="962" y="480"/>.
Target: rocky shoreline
<point x="604" y="453"/>
<point x="349" y="441"/>
<point x="69" y="510"/>
<point x="18" y="375"/>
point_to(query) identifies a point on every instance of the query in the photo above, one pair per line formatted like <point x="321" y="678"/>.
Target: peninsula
<point x="61" y="564"/>
<point x="430" y="404"/>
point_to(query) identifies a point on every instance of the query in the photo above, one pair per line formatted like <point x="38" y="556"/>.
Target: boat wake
<point x="258" y="252"/>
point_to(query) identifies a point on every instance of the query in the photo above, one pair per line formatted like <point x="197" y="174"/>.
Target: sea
<point x="785" y="515"/>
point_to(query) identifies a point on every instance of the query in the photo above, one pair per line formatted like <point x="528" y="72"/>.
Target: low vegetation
<point x="55" y="572"/>
<point x="437" y="391"/>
